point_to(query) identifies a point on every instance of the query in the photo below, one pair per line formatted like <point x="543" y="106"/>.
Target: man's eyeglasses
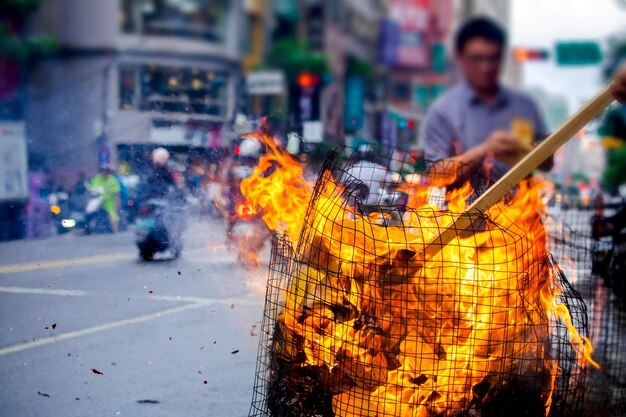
<point x="480" y="60"/>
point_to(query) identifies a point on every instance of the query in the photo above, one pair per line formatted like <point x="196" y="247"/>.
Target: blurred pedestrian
<point x="479" y="121"/>
<point x="110" y="187"/>
<point x="195" y="174"/>
<point x="618" y="86"/>
<point x="38" y="217"/>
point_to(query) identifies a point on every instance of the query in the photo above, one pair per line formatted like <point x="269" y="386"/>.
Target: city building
<point x="354" y="98"/>
<point x="387" y="61"/>
<point x="132" y="72"/>
<point x="265" y="90"/>
<point x="340" y="96"/>
<point x="413" y="46"/>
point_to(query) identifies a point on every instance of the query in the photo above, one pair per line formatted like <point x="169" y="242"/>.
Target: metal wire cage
<point x="591" y="247"/>
<point x="360" y="320"/>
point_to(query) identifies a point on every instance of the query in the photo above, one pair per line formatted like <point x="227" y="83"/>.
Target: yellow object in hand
<point x="524" y="130"/>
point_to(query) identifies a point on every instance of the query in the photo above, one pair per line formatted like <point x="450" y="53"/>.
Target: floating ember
<point x="360" y="321"/>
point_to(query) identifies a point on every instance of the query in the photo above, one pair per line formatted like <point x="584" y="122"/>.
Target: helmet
<point x="250" y="148"/>
<point x="106" y="167"/>
<point x="366" y="152"/>
<point x="160" y="156"/>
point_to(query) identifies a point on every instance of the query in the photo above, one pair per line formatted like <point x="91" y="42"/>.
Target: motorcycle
<point x="159" y="226"/>
<point x="94" y="219"/>
<point x="211" y="199"/>
<point x="609" y="249"/>
<point x="62" y="215"/>
<point x="247" y="231"/>
<point x="248" y="235"/>
<point x="387" y="201"/>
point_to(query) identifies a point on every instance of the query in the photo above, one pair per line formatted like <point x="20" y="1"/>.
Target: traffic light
<point x="522" y="54"/>
<point x="307" y="80"/>
<point x="309" y="95"/>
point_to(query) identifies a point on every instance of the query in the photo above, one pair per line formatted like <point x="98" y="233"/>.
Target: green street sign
<point x="578" y="53"/>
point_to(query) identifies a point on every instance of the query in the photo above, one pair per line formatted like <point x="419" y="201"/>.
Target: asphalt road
<point x="86" y="329"/>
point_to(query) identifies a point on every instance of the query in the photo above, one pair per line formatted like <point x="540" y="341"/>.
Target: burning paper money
<point x="359" y="322"/>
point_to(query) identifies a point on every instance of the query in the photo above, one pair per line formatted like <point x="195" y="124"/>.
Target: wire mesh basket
<point x="360" y="320"/>
<point x="588" y="241"/>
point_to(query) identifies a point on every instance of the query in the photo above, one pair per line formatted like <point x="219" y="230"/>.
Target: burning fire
<point x="245" y="211"/>
<point x="277" y="189"/>
<point x="399" y="332"/>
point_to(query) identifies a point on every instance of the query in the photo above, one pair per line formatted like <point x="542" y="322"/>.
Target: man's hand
<point x="501" y="142"/>
<point x="618" y="86"/>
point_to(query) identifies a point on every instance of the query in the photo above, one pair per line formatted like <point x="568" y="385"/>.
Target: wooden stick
<point x="522" y="169"/>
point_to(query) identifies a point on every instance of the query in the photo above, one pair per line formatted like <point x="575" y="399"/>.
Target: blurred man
<point x="479" y="121"/>
<point x="110" y="186"/>
<point x="618" y="86"/>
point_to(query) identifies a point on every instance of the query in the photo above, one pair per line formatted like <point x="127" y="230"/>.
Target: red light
<point x="307" y="80"/>
<point x="526" y="54"/>
<point x="237" y="150"/>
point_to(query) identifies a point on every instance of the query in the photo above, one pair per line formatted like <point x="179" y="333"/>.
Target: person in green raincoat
<point x="110" y="199"/>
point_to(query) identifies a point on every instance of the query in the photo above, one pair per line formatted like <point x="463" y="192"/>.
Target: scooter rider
<point x="159" y="180"/>
<point x="249" y="154"/>
<point x="164" y="203"/>
<point x="111" y="192"/>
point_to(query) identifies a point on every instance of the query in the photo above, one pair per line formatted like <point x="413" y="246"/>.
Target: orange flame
<point x="478" y="306"/>
<point x="245" y="211"/>
<point x="277" y="188"/>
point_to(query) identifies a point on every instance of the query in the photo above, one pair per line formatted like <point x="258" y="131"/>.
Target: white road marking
<point x="96" y="329"/>
<point x="33" y="266"/>
<point x="46" y="291"/>
<point x="173" y="298"/>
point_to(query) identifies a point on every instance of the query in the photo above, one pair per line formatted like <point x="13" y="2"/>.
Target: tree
<point x="294" y="57"/>
<point x="14" y="45"/>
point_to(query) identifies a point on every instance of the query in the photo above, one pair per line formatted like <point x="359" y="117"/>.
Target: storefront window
<point x="201" y="19"/>
<point x="169" y="89"/>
